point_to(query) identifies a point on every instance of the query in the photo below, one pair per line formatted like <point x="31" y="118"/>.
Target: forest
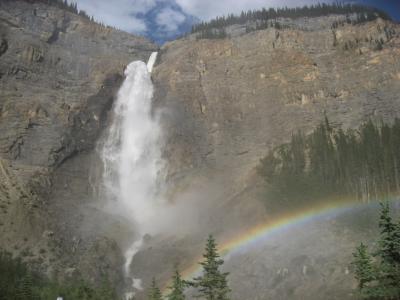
<point x="19" y="282"/>
<point x="363" y="163"/>
<point x="266" y="18"/>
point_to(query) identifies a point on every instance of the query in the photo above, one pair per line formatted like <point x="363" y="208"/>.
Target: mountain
<point x="166" y="20"/>
<point x="59" y="74"/>
<point x="234" y="99"/>
<point x="223" y="102"/>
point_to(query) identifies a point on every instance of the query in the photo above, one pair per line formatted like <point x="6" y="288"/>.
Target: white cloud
<point x="125" y="14"/>
<point x="118" y="13"/>
<point x="169" y="20"/>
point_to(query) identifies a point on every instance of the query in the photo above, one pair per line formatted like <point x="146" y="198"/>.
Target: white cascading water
<point x="131" y="153"/>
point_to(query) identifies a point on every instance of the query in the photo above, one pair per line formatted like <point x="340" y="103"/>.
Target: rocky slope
<point x="59" y="73"/>
<point x="227" y="102"/>
<point x="240" y="96"/>
<point x="224" y="104"/>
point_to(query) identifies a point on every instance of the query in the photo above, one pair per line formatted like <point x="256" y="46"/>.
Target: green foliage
<point x="154" y="291"/>
<point x="261" y="25"/>
<point x="380" y="279"/>
<point x="19" y="283"/>
<point x="362" y="262"/>
<point x="364" y="14"/>
<point x="212" y="284"/>
<point x="177" y="288"/>
<point x="76" y="290"/>
<point x="361" y="17"/>
<point x="16" y="282"/>
<point x="211" y="33"/>
<point x="25" y="288"/>
<point x="332" y="162"/>
<point x="387" y="243"/>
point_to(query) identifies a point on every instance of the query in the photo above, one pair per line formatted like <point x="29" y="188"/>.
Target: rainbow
<point x="261" y="232"/>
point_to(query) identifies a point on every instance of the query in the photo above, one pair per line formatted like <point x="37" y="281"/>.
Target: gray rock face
<point x="228" y="102"/>
<point x="58" y="75"/>
<point x="225" y="103"/>
<point x="239" y="97"/>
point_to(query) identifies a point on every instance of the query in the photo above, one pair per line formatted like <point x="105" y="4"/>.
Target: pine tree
<point x="25" y="288"/>
<point x="387" y="244"/>
<point x="177" y="288"/>
<point x="389" y="253"/>
<point x="384" y="274"/>
<point x="362" y="263"/>
<point x="212" y="285"/>
<point x="364" y="13"/>
<point x="106" y="291"/>
<point x="154" y="292"/>
<point x="396" y="242"/>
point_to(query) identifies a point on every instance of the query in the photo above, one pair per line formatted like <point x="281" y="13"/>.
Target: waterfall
<point x="151" y="62"/>
<point x="131" y="153"/>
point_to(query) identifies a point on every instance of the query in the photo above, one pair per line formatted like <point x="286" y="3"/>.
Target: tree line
<point x="212" y="33"/>
<point x="363" y="163"/>
<point x="18" y="282"/>
<point x="71" y="7"/>
<point x="359" y="18"/>
<point x="378" y="274"/>
<point x="263" y="17"/>
<point x="65" y="5"/>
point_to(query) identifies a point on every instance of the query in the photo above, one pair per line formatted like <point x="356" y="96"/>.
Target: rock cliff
<point x="59" y="73"/>
<point x="225" y="103"/>
<point x="229" y="101"/>
<point x="240" y="96"/>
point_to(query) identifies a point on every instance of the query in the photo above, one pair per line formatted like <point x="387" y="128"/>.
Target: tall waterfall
<point x="131" y="152"/>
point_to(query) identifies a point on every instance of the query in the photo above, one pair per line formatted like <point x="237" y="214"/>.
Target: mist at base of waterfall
<point x="131" y="155"/>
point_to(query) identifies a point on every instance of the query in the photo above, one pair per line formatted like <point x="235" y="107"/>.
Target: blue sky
<point x="165" y="19"/>
<point x="390" y="6"/>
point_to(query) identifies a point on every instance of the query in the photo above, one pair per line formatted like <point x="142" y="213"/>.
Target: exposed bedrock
<point x="59" y="74"/>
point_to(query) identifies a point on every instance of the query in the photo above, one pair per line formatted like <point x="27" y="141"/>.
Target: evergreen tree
<point x="212" y="285"/>
<point x="387" y="242"/>
<point x="363" y="14"/>
<point x="17" y="282"/>
<point x="396" y="242"/>
<point x="363" y="163"/>
<point x="25" y="288"/>
<point x="106" y="291"/>
<point x="362" y="263"/>
<point x="177" y="288"/>
<point x="388" y="251"/>
<point x="154" y="292"/>
<point x="380" y="280"/>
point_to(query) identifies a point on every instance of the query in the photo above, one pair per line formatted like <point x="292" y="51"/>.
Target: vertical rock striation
<point x="229" y="101"/>
<point x="59" y="73"/>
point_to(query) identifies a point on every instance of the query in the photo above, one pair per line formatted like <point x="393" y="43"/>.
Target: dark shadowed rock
<point x="59" y="74"/>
